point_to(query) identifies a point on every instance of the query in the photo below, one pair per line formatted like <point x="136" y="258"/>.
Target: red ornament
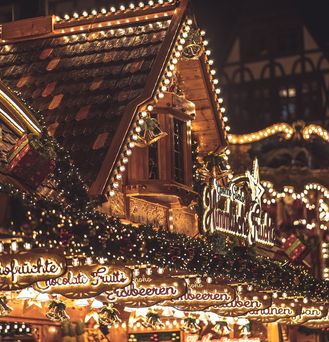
<point x="30" y="161"/>
<point x="293" y="247"/>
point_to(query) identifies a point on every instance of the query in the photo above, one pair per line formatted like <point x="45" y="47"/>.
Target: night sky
<point x="219" y="17"/>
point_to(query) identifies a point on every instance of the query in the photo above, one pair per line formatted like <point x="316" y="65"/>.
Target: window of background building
<point x="310" y="98"/>
<point x="258" y="104"/>
<point x="288" y="40"/>
<point x="288" y="103"/>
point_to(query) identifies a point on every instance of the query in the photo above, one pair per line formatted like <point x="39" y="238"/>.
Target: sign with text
<point x="243" y="303"/>
<point x="87" y="281"/>
<point x="200" y="295"/>
<point x="22" y="269"/>
<point x="280" y="309"/>
<point x="318" y="323"/>
<point x="308" y="313"/>
<point x="237" y="210"/>
<point x="147" y="290"/>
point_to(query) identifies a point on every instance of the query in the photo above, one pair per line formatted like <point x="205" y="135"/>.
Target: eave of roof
<point x="120" y="137"/>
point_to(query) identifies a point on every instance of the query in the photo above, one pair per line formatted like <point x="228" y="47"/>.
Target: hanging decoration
<point x="193" y="46"/>
<point x="152" y="320"/>
<point x="244" y="327"/>
<point x="31" y="160"/>
<point x="221" y="328"/>
<point x="56" y="311"/>
<point x="5" y="309"/>
<point x="215" y="166"/>
<point x="190" y="324"/>
<point x="108" y="315"/>
<point x="150" y="132"/>
<point x="293" y="247"/>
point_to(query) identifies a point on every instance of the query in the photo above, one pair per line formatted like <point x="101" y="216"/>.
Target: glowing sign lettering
<point x="87" y="281"/>
<point x="148" y="290"/>
<point x="237" y="216"/>
<point x="201" y="295"/>
<point x="242" y="304"/>
<point x="22" y="269"/>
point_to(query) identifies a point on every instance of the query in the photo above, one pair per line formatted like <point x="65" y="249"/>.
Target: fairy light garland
<point x="315" y="129"/>
<point x="216" y="90"/>
<point x="284" y="128"/>
<point x="100" y="238"/>
<point x="92" y="233"/>
<point x="114" y="10"/>
<point x="273" y="195"/>
<point x="115" y="180"/>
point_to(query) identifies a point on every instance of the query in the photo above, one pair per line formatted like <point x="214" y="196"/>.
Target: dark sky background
<point x="219" y="17"/>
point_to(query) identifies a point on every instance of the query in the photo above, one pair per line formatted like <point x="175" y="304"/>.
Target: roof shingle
<point x="82" y="83"/>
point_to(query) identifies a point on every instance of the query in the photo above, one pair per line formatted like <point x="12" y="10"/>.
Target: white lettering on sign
<point x="41" y="266"/>
<point x="134" y="292"/>
<point x="22" y="269"/>
<point x="86" y="281"/>
<point x="252" y="224"/>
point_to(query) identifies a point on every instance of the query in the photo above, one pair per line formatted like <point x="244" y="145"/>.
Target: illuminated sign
<point x="86" y="281"/>
<point x="147" y="290"/>
<point x="200" y="295"/>
<point x="22" y="269"/>
<point x="308" y="313"/>
<point x="227" y="210"/>
<point x="243" y="303"/>
<point x="318" y="323"/>
<point x="279" y="309"/>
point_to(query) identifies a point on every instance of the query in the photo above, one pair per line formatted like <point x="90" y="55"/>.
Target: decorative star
<point x="256" y="188"/>
<point x="92" y="314"/>
<point x="30" y="303"/>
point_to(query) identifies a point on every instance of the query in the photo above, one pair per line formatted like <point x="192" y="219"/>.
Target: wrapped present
<point x="31" y="161"/>
<point x="293" y="247"/>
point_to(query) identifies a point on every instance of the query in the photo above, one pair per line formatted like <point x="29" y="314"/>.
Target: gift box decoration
<point x="31" y="161"/>
<point x="293" y="247"/>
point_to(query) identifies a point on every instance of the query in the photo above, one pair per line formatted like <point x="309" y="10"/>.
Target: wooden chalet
<point x="93" y="78"/>
<point x="119" y="209"/>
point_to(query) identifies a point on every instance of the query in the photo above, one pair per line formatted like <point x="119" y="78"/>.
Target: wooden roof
<point x="88" y="78"/>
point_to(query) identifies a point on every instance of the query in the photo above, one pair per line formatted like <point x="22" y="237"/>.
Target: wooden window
<point x="153" y="161"/>
<point x="178" y="150"/>
<point x="168" y="160"/>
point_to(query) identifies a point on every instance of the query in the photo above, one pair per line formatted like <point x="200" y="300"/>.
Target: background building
<point x="276" y="77"/>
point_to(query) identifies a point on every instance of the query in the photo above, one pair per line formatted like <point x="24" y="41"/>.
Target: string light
<point x="284" y="128"/>
<point x="132" y="7"/>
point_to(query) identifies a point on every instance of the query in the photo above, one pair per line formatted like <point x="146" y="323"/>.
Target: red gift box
<point x="30" y="161"/>
<point x="293" y="247"/>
